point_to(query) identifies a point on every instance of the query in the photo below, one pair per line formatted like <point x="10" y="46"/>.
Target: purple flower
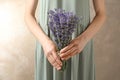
<point x="62" y="24"/>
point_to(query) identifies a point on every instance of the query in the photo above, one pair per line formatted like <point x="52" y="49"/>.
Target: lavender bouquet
<point x="62" y="24"/>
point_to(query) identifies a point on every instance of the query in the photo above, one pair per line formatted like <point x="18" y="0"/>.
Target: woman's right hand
<point x="50" y="50"/>
<point x="48" y="45"/>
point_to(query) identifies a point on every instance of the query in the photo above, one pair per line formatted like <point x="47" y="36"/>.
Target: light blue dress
<point x="80" y="66"/>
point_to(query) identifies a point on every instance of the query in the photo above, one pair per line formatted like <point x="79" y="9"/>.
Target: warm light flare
<point x="10" y="22"/>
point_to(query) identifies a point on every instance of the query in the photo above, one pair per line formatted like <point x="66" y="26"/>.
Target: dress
<point x="80" y="66"/>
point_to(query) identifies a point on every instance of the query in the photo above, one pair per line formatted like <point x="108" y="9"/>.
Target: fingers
<point x="57" y="58"/>
<point x="72" y="53"/>
<point x="54" y="63"/>
<point x="54" y="60"/>
<point x="66" y="48"/>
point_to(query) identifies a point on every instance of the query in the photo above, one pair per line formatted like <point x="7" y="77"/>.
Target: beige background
<point x="17" y="44"/>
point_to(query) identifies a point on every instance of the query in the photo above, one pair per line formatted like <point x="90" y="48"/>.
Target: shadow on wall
<point x="107" y="46"/>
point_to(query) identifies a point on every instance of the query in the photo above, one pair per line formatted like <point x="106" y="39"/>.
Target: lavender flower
<point x="62" y="25"/>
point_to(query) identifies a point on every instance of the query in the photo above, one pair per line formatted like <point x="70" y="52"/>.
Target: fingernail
<point x="59" y="68"/>
<point x="61" y="55"/>
<point x="62" y="58"/>
<point x="61" y="52"/>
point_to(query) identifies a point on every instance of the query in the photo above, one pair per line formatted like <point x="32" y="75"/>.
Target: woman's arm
<point x="31" y="22"/>
<point x="99" y="19"/>
<point x="48" y="45"/>
<point x="77" y="45"/>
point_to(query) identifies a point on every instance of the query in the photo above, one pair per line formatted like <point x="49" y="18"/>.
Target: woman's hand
<point x="78" y="43"/>
<point x="50" y="51"/>
<point x="75" y="47"/>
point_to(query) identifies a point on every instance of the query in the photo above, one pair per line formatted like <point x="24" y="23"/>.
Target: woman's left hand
<point x="75" y="47"/>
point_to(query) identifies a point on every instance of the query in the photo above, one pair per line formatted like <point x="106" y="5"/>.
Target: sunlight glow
<point x="10" y="22"/>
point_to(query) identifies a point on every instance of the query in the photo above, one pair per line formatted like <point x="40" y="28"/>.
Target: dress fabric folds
<point x="80" y="66"/>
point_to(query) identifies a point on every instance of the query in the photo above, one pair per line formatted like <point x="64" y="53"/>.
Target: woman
<point x="79" y="53"/>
